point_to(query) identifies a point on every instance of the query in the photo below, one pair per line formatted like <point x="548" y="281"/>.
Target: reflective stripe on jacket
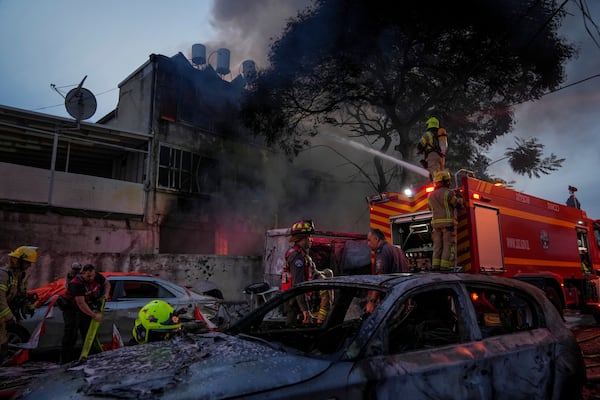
<point x="442" y="202"/>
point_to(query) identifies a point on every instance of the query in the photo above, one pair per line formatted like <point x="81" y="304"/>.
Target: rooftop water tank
<point x="223" y="61"/>
<point x="249" y="70"/>
<point x="198" y="54"/>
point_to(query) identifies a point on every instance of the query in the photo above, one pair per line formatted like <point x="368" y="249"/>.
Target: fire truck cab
<point x="501" y="231"/>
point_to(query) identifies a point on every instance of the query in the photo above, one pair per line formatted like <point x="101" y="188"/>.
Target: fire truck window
<point x="423" y="321"/>
<point x="501" y="312"/>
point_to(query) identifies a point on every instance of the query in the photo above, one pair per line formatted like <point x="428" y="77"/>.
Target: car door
<point x="422" y="350"/>
<point x="518" y="350"/>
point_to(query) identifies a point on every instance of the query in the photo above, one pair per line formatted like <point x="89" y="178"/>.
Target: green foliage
<point x="380" y="69"/>
<point x="526" y="158"/>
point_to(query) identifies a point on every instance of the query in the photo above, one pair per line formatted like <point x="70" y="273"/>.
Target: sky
<point x="48" y="47"/>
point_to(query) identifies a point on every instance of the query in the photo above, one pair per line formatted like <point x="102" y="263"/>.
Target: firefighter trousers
<point x="435" y="163"/>
<point x="443" y="237"/>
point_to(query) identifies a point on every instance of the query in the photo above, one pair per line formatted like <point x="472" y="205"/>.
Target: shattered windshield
<point x="319" y="322"/>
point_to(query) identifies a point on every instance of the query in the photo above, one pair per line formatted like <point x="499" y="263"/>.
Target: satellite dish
<point x="80" y="102"/>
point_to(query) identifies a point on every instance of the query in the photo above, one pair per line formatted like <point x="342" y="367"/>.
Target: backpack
<point x="442" y="141"/>
<point x="439" y="142"/>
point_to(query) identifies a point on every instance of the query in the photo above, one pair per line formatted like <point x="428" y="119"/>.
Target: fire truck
<point x="501" y="231"/>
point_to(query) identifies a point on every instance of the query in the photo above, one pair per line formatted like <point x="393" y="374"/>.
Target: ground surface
<point x="587" y="332"/>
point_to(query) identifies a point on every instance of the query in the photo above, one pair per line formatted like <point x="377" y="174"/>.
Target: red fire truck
<point x="504" y="232"/>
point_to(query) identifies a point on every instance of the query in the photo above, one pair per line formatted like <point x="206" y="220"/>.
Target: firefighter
<point x="442" y="202"/>
<point x="298" y="268"/>
<point x="82" y="299"/>
<point x="13" y="291"/>
<point x="572" y="200"/>
<point x="433" y="145"/>
<point x="75" y="270"/>
<point x="325" y="299"/>
<point x="156" y="321"/>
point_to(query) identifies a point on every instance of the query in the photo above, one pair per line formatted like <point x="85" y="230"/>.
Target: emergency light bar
<point x="378" y="198"/>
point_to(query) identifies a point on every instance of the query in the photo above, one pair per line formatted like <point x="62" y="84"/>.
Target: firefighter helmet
<point x="442" y="176"/>
<point x="156" y="321"/>
<point x="303" y="227"/>
<point x="25" y="253"/>
<point x="433" y="123"/>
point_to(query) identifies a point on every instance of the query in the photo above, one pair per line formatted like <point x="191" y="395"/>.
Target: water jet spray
<point x="419" y="170"/>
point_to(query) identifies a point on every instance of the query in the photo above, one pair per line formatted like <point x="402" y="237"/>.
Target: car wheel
<point x="17" y="334"/>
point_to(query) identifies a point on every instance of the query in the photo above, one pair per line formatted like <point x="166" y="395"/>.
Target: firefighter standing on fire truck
<point x="442" y="202"/>
<point x="433" y="145"/>
<point x="298" y="268"/>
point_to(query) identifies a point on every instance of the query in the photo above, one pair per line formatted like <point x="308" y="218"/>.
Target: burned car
<point x="431" y="336"/>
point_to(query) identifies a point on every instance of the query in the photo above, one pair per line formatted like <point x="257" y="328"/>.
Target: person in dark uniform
<point x="388" y="259"/>
<point x="572" y="201"/>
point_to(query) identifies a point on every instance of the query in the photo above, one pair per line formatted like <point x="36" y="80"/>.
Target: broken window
<point x="424" y="320"/>
<point x="186" y="172"/>
<point x="501" y="312"/>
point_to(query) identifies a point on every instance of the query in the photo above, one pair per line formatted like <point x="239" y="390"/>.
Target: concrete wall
<point x="35" y="185"/>
<point x="230" y="274"/>
<point x="59" y="234"/>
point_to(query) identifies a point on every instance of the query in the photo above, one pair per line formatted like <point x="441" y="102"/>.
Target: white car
<point x="129" y="293"/>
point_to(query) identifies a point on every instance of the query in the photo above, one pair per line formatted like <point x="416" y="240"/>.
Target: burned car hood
<point x="207" y="366"/>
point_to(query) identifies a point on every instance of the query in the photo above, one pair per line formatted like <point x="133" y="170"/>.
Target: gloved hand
<point x="28" y="309"/>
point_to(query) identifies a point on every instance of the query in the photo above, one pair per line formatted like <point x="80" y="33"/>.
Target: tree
<point x="525" y="159"/>
<point x="378" y="70"/>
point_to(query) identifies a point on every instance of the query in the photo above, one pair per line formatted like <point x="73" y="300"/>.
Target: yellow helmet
<point x="156" y="321"/>
<point x="26" y="253"/>
<point x="433" y="123"/>
<point x="303" y="227"/>
<point x="441" y="176"/>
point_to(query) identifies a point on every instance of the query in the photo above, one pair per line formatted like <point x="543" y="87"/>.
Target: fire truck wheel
<point x="554" y="299"/>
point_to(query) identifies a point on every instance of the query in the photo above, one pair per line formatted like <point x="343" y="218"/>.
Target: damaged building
<point x="168" y="172"/>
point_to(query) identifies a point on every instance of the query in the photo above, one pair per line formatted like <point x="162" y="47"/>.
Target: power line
<point x="62" y="104"/>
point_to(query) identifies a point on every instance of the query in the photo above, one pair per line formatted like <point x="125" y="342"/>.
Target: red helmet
<point x="303" y="227"/>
